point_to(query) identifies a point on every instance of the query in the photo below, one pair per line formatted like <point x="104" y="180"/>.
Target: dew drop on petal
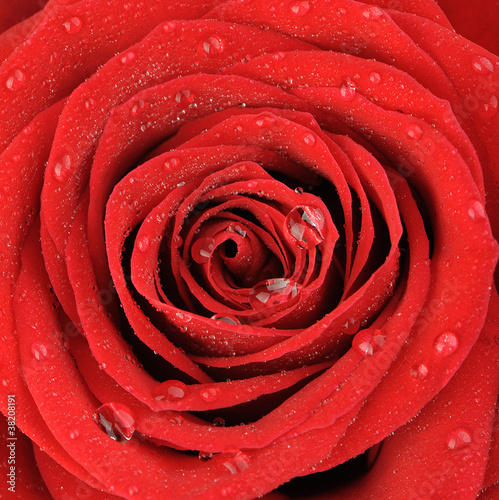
<point x="226" y="318"/>
<point x="89" y="103"/>
<point x="414" y="131"/>
<point x="39" y="350"/>
<point x="204" y="455"/>
<point x="347" y="91"/>
<point x="15" y="80"/>
<point x="171" y="390"/>
<point x="481" y="65"/>
<point x="489" y="107"/>
<point x="202" y="249"/>
<point x="137" y="107"/>
<point x="117" y="420"/>
<point x="375" y="78"/>
<point x="62" y="168"/>
<point x="372" y="13"/>
<point x="128" y="57"/>
<point x="446" y="343"/>
<point x="218" y="422"/>
<point x="213" y="45"/>
<point x="419" y="371"/>
<point x="265" y="120"/>
<point x="309" y="139"/>
<point x="132" y="490"/>
<point x="176" y="419"/>
<point x="362" y="343"/>
<point x="169" y="26"/>
<point x="458" y="439"/>
<point x="306" y="226"/>
<point x="74" y="434"/>
<point x="209" y="394"/>
<point x="143" y="244"/>
<point x="476" y="210"/>
<point x="299" y="8"/>
<point x="273" y="292"/>
<point x="177" y="241"/>
<point x="184" y="97"/>
<point x="73" y="25"/>
<point x="171" y="163"/>
<point x="235" y="461"/>
<point x="237" y="229"/>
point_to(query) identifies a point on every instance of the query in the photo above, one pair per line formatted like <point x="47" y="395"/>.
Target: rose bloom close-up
<point x="248" y="249"/>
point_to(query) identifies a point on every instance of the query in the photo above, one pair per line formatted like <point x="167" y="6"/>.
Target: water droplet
<point x="348" y="89"/>
<point x="299" y="190"/>
<point x="127" y="58"/>
<point x="210" y="394"/>
<point x="482" y="65"/>
<point x="476" y="210"/>
<point x="15" y="80"/>
<point x="171" y="390"/>
<point x="213" y="45"/>
<point x="39" y="350"/>
<point x="169" y="26"/>
<point x="226" y="318"/>
<point x="53" y="57"/>
<point x="117" y="420"/>
<point x="458" y="438"/>
<point x="204" y="455"/>
<point x="73" y="25"/>
<point x="235" y="461"/>
<point x="362" y="343"/>
<point x="177" y="241"/>
<point x="184" y="97"/>
<point x="237" y="229"/>
<point x="252" y="184"/>
<point x="446" y="343"/>
<point x="372" y="13"/>
<point x="62" y="168"/>
<point x="306" y="226"/>
<point x="375" y="78"/>
<point x="309" y="139"/>
<point x="74" y="434"/>
<point x="143" y="244"/>
<point x="299" y="8"/>
<point x="132" y="490"/>
<point x="176" y="419"/>
<point x="273" y="292"/>
<point x="89" y="103"/>
<point x="265" y="120"/>
<point x="171" y="163"/>
<point x="489" y="108"/>
<point x="218" y="422"/>
<point x="202" y="249"/>
<point x="414" y="131"/>
<point x="137" y="107"/>
<point x="419" y="371"/>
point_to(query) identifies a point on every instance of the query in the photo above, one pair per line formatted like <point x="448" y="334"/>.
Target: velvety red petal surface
<point x="248" y="249"/>
<point x="474" y="20"/>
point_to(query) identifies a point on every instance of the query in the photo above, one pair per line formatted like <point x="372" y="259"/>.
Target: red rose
<point x="247" y="249"/>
